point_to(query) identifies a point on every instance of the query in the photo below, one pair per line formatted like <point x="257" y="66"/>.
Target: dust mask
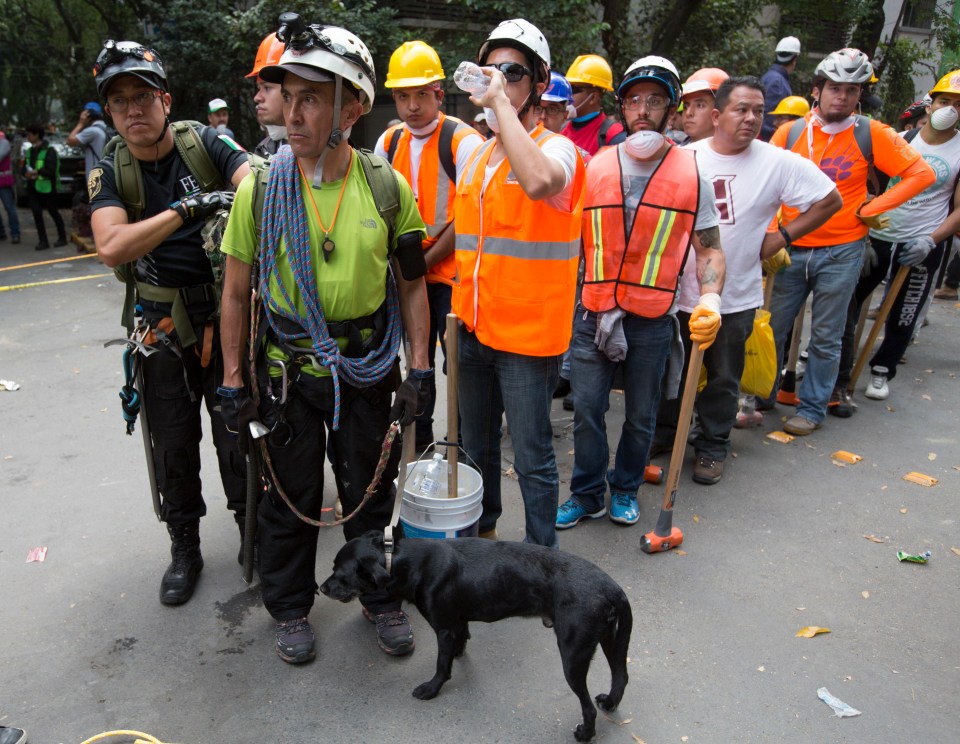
<point x="835" y="127"/>
<point x="944" y="118"/>
<point x="424" y="131"/>
<point x="644" y="144"/>
<point x="276" y="132"/>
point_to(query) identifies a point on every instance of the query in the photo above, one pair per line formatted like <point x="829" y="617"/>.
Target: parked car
<point x="71" y="169"/>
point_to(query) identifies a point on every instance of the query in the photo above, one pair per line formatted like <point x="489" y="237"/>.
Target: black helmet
<point x="128" y="58"/>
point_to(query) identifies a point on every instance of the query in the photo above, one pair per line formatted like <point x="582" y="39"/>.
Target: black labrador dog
<point x="453" y="582"/>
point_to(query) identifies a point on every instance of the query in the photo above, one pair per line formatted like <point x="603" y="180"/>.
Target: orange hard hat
<point x="707" y="79"/>
<point x="269" y="53"/>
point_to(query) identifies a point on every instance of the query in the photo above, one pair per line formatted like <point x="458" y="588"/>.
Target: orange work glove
<point x="705" y="320"/>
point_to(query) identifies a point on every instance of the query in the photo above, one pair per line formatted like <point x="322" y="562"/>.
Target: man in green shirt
<point x="335" y="283"/>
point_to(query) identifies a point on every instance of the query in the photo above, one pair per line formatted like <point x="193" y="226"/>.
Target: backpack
<point x="604" y="128"/>
<point x="864" y="140"/>
<point x="445" y="146"/>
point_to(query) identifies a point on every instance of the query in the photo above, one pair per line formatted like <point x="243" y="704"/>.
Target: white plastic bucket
<point x="440" y="518"/>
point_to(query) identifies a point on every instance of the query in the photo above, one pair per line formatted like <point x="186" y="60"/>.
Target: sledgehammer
<point x="665" y="536"/>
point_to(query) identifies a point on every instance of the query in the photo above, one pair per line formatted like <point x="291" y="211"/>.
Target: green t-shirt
<point x="352" y="284"/>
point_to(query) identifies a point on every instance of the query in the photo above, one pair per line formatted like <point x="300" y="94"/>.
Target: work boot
<point x="180" y="578"/>
<point x="394" y="634"/>
<point x="42" y="247"/>
<point x="60" y="243"/>
<point x="707" y="471"/>
<point x="800" y="426"/>
<point x="944" y="293"/>
<point x="841" y="404"/>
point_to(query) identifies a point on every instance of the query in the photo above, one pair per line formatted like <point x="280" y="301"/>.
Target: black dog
<point x="455" y="581"/>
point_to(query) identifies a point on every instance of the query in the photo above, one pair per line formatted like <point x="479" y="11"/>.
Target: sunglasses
<point x="513" y="72"/>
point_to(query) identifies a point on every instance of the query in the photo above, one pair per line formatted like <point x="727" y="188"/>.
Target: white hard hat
<point x="788" y="45"/>
<point x="652" y="67"/>
<point x="340" y="53"/>
<point x="519" y="34"/>
<point x="479" y="117"/>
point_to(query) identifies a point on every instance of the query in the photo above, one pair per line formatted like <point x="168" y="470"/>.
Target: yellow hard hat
<point x="592" y="70"/>
<point x="949" y="83"/>
<point x="792" y="106"/>
<point x="413" y="63"/>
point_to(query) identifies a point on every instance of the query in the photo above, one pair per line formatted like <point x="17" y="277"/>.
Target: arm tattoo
<point x="710" y="237"/>
<point x="708" y="275"/>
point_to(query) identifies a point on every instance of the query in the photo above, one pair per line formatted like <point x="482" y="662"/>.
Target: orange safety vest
<point x="516" y="258"/>
<point x="435" y="189"/>
<point x="638" y="271"/>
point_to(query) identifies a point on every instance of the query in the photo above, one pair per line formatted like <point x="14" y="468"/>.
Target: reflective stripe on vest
<point x="638" y="270"/>
<point x="435" y="190"/>
<point x="516" y="258"/>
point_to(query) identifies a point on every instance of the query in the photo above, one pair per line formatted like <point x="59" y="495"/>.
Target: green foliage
<point x="897" y="88"/>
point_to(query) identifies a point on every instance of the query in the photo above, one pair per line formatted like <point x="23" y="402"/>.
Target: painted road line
<point x="45" y="263"/>
<point x="11" y="287"/>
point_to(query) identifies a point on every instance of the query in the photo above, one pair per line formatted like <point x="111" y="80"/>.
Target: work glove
<point x="870" y="260"/>
<point x="237" y="410"/>
<point x="705" y="320"/>
<point x="777" y="262"/>
<point x="609" y="337"/>
<point x="410" y="399"/>
<point x="875" y="222"/>
<point x="202" y="206"/>
<point x="916" y="251"/>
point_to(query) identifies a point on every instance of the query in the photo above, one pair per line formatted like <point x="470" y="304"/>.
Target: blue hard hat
<point x="558" y="90"/>
<point x="94" y="107"/>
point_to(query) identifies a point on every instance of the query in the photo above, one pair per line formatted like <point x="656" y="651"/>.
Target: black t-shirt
<point x="179" y="261"/>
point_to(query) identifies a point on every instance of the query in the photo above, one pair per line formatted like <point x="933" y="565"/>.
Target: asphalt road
<point x="776" y="546"/>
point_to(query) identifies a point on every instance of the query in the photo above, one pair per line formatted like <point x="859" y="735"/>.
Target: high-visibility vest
<point x="43" y="184"/>
<point x="516" y="258"/>
<point x="435" y="188"/>
<point x="638" y="271"/>
<point x="6" y="170"/>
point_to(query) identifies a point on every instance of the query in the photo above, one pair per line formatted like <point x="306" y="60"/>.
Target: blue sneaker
<point x="570" y="513"/>
<point x="624" y="508"/>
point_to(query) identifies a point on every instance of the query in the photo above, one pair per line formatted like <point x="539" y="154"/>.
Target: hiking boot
<point x="944" y="293"/>
<point x="707" y="471"/>
<point x="11" y="735"/>
<point x="570" y="512"/>
<point x="180" y="578"/>
<point x="296" y="642"/>
<point x="841" y="404"/>
<point x="42" y="247"/>
<point x="877" y="388"/>
<point x="800" y="426"/>
<point x="624" y="508"/>
<point x="394" y="634"/>
<point x="60" y="243"/>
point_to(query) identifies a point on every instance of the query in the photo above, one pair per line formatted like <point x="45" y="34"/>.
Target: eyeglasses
<point x="513" y="72"/>
<point x="119" y="104"/>
<point x="555" y="109"/>
<point x="651" y="103"/>
<point x="113" y="52"/>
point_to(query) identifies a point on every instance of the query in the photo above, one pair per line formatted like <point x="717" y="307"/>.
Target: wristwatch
<point x="786" y="236"/>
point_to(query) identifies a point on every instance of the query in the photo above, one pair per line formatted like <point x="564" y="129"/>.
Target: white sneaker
<point x="877" y="388"/>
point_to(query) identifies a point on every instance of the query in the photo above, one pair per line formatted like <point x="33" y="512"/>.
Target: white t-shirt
<point x="557" y="148"/>
<point x="925" y="212"/>
<point x="467" y="145"/>
<point x="748" y="189"/>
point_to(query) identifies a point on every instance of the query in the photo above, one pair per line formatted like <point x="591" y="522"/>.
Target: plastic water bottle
<point x="470" y="78"/>
<point x="434" y="477"/>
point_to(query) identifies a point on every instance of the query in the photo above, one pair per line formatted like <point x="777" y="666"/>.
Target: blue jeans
<point x="496" y="382"/>
<point x="10" y="205"/>
<point x="830" y="274"/>
<point x="648" y="348"/>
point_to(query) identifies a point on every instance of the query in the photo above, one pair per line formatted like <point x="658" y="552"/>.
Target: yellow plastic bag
<point x="760" y="362"/>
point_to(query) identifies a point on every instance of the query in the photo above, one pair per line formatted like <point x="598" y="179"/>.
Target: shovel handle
<point x="882" y="314"/>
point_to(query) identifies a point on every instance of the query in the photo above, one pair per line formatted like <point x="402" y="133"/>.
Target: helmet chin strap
<point x="163" y="132"/>
<point x="336" y="136"/>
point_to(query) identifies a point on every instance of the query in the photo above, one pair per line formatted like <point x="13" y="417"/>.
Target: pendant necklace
<point x="327" y="245"/>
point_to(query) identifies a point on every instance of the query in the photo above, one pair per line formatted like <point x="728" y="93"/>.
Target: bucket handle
<point x="421" y="458"/>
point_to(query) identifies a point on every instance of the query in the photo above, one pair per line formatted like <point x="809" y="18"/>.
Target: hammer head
<point x="654" y="543"/>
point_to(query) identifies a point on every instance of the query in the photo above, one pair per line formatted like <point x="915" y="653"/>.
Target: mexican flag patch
<point x="231" y="143"/>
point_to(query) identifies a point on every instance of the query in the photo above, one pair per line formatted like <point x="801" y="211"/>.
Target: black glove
<point x="237" y="411"/>
<point x="410" y="399"/>
<point x="202" y="206"/>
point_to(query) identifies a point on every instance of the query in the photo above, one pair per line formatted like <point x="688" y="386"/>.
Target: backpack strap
<point x="604" y="128"/>
<point x="447" y="158"/>
<point x="796" y="129"/>
<point x="382" y="180"/>
<point x="261" y="174"/>
<point x="911" y="134"/>
<point x="393" y="144"/>
<point x="864" y="138"/>
<point x="190" y="146"/>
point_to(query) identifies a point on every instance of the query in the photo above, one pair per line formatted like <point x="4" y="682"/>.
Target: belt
<point x="180" y="299"/>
